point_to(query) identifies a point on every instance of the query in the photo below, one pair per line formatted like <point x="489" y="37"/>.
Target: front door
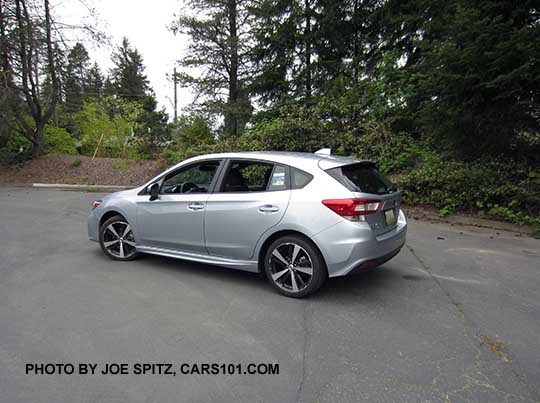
<point x="175" y="221"/>
<point x="252" y="198"/>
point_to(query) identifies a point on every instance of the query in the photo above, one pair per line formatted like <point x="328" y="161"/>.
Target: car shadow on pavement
<point x="358" y="286"/>
<point x="216" y="273"/>
<point x="361" y="286"/>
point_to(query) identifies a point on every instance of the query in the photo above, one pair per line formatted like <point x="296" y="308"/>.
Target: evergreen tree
<point x="128" y="81"/>
<point x="127" y="76"/>
<point x="469" y="70"/>
<point x="220" y="43"/>
<point x="95" y="81"/>
<point x="76" y="77"/>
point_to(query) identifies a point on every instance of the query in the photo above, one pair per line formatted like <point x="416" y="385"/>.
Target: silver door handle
<point x="268" y="208"/>
<point x="195" y="206"/>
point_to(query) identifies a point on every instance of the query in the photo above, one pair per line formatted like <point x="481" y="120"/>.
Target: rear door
<point x="366" y="182"/>
<point x="252" y="197"/>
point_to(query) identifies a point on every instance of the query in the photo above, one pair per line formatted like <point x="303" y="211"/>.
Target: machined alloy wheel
<point x="294" y="266"/>
<point x="117" y="240"/>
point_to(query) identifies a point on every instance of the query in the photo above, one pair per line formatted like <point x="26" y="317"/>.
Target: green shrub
<point x="76" y="162"/>
<point x="113" y="132"/>
<point x="59" y="141"/>
<point x="17" y="149"/>
<point x="393" y="152"/>
<point x="452" y="185"/>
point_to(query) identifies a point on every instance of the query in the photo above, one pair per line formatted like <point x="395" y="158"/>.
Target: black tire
<point x="121" y="248"/>
<point x="307" y="256"/>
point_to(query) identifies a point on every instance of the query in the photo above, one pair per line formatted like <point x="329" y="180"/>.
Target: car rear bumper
<point x="352" y="245"/>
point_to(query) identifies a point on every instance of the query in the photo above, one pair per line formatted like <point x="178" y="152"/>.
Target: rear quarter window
<point x="300" y="178"/>
<point x="364" y="178"/>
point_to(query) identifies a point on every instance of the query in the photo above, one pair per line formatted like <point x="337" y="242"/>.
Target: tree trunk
<point x="39" y="137"/>
<point x="307" y="42"/>
<point x="231" y="117"/>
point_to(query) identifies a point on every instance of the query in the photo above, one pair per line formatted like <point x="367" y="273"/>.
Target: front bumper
<point x="92" y="224"/>
<point x="348" y="245"/>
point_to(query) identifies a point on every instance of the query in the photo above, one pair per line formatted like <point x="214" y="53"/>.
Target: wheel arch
<point x="278" y="234"/>
<point x="109" y="214"/>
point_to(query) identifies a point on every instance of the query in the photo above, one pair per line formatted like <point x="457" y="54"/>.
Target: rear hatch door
<point x="366" y="182"/>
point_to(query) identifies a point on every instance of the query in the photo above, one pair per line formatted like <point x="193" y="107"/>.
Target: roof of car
<point x="296" y="159"/>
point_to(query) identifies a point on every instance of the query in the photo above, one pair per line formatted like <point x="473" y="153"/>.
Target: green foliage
<point x="445" y="212"/>
<point x="191" y="136"/>
<point x="127" y="76"/>
<point x="220" y="38"/>
<point x="76" y="76"/>
<point x="59" y="141"/>
<point x="453" y="185"/>
<point x="76" y="162"/>
<point x="122" y="164"/>
<point x="113" y="121"/>
<point x="510" y="213"/>
<point x="469" y="70"/>
<point x="393" y="152"/>
<point x="15" y="149"/>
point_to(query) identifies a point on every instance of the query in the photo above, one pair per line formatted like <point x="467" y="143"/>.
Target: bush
<point x="113" y="132"/>
<point x="393" y="152"/>
<point x="17" y="149"/>
<point x="59" y="141"/>
<point x="452" y="185"/>
<point x="9" y="157"/>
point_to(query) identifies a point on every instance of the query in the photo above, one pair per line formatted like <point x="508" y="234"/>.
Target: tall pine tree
<point x="128" y="81"/>
<point x="127" y="77"/>
<point x="76" y="77"/>
<point x="220" y="43"/>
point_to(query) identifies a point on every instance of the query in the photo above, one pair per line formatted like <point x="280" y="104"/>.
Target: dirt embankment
<point x="76" y="169"/>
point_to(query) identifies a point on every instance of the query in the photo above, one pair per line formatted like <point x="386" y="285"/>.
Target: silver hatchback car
<point x="299" y="218"/>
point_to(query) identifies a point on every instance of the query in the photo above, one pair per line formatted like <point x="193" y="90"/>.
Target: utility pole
<point x="175" y="96"/>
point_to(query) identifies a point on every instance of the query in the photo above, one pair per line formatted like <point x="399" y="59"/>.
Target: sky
<point x="145" y="24"/>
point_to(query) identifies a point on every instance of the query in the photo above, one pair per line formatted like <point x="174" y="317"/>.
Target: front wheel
<point x="294" y="266"/>
<point x="117" y="240"/>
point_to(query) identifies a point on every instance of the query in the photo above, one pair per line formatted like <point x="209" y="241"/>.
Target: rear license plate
<point x="390" y="217"/>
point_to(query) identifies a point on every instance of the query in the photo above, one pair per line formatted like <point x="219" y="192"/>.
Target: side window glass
<point x="278" y="180"/>
<point x="193" y="179"/>
<point x="300" y="178"/>
<point x="247" y="176"/>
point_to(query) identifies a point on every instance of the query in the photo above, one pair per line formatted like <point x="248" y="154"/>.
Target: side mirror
<point x="153" y="190"/>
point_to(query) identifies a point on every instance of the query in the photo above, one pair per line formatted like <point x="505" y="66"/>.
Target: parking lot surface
<point x="454" y="317"/>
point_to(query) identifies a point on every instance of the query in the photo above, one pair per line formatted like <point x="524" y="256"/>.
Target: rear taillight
<point x="353" y="209"/>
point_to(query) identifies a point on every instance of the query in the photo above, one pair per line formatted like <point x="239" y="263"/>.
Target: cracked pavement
<point x="413" y="330"/>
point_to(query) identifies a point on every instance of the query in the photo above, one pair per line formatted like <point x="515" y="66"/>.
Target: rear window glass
<point x="363" y="178"/>
<point x="247" y="176"/>
<point x="278" y="180"/>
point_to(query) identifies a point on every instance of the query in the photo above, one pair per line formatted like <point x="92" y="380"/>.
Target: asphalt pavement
<point x="454" y="317"/>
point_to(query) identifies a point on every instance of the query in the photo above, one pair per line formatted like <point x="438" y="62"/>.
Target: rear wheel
<point x="117" y="240"/>
<point x="294" y="266"/>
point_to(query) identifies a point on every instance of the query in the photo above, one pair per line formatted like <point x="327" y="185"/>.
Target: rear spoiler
<point x="335" y="162"/>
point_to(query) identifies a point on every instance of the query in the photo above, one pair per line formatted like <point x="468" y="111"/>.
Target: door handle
<point x="195" y="206"/>
<point x="268" y="208"/>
